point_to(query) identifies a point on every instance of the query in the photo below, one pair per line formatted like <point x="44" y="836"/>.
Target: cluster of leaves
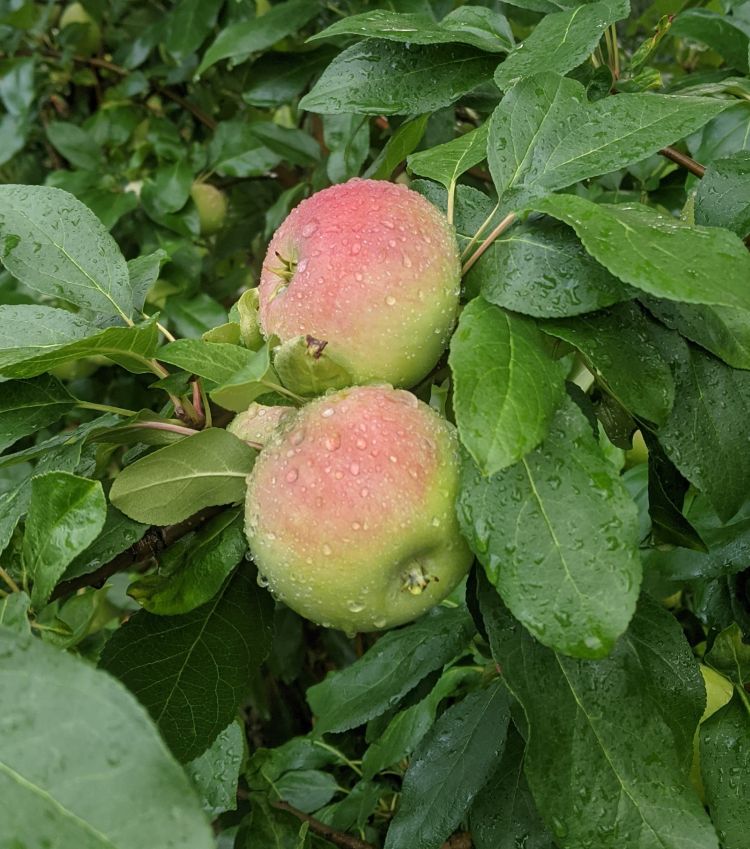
<point x="595" y="160"/>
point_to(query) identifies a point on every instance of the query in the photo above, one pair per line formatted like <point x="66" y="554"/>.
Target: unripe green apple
<point x="259" y="422"/>
<point x="350" y="511"/>
<point x="211" y="204"/>
<point x="371" y="269"/>
<point x="91" y="39"/>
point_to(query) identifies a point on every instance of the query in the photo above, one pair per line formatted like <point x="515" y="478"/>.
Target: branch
<point x="683" y="160"/>
<point x="338" y="838"/>
<point x="460" y="840"/>
<point x="139" y="555"/>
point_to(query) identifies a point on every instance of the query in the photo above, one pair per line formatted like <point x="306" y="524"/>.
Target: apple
<point x="211" y="204"/>
<point x="90" y="39"/>
<point x="369" y="269"/>
<point x="350" y="511"/>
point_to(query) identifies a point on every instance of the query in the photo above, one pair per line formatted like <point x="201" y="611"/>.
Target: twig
<point x="460" y="840"/>
<point x="338" y="838"/>
<point x="139" y="555"/>
<point x="683" y="160"/>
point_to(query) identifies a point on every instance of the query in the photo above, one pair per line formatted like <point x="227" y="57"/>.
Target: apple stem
<point x="501" y="228"/>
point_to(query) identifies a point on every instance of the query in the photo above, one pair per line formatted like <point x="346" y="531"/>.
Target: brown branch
<point x="338" y="838"/>
<point x="139" y="555"/>
<point x="684" y="161"/>
<point x="460" y="840"/>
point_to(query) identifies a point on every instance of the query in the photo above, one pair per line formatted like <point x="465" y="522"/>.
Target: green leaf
<point x="66" y="514"/>
<point x="117" y="535"/>
<point x="449" y="768"/>
<point x="398" y="147"/>
<point x="472" y="25"/>
<point x="188" y="25"/>
<point x="620" y="349"/>
<point x="544" y="135"/>
<point x="293" y="145"/>
<point x="724" y="331"/>
<point x="718" y="31"/>
<point x="723" y="195"/>
<point x="506" y="385"/>
<point x="59" y="248"/>
<point x="596" y="773"/>
<point x="657" y="253"/>
<point x="210" y="557"/>
<point x="191" y="672"/>
<point x="306" y="789"/>
<point x="167" y="189"/>
<point x="216" y="772"/>
<point x="176" y="481"/>
<point x="347" y="138"/>
<point x="730" y="655"/>
<point x="34" y="339"/>
<point x="504" y="815"/>
<point x="725" y="769"/>
<point x="216" y="361"/>
<point x="240" y="39"/>
<point x="389" y="670"/>
<point x="377" y="77"/>
<point x="279" y="77"/>
<point x="54" y="705"/>
<point x="540" y="268"/>
<point x="75" y="144"/>
<point x="706" y="433"/>
<point x="355" y="809"/>
<point x="409" y="726"/>
<point x="144" y="271"/>
<point x="14" y="612"/>
<point x="561" y="41"/>
<point x="29" y="405"/>
<point x="447" y="162"/>
<point x="236" y="151"/>
<point x="558" y="525"/>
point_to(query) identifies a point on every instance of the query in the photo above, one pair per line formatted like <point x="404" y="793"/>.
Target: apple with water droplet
<point x="350" y="511"/>
<point x="372" y="270"/>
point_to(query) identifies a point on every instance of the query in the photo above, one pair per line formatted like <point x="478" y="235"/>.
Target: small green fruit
<point x="90" y="40"/>
<point x="350" y="510"/>
<point x="211" y="204"/>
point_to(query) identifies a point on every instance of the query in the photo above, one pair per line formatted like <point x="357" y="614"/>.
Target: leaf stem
<point x="451" y="200"/>
<point x="501" y="228"/>
<point x="185" y="431"/>
<point x="205" y="403"/>
<point x="482" y="227"/>
<point x="105" y="408"/>
<point x="9" y="581"/>
<point x="339" y="754"/>
<point x="165" y="333"/>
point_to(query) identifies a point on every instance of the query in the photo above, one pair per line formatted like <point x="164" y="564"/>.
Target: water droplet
<point x="379" y="623"/>
<point x="332" y="442"/>
<point x="355" y="606"/>
<point x="262" y="581"/>
<point x="328" y="412"/>
<point x="309" y="229"/>
<point x="364" y="492"/>
<point x="356" y="526"/>
<point x="292" y="475"/>
<point x="327" y="549"/>
<point x="297" y="437"/>
<point x="356" y="248"/>
<point x="390" y="300"/>
<point x="354" y="468"/>
<point x="361" y="444"/>
<point x="393" y="459"/>
<point x="435" y="522"/>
